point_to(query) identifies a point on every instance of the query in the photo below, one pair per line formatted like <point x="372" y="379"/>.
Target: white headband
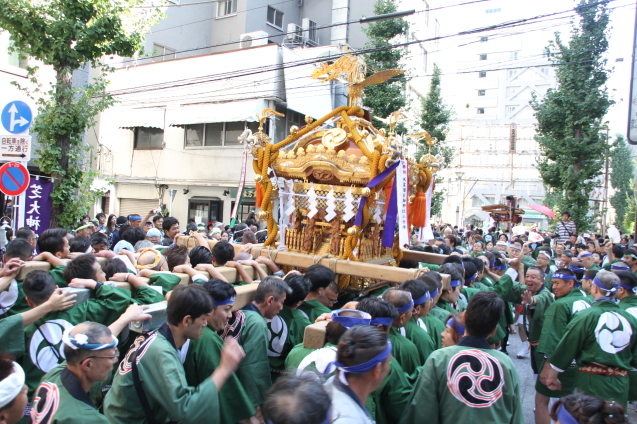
<point x="11" y="386"/>
<point x="80" y="341"/>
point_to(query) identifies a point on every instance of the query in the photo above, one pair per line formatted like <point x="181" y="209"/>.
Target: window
<point x="275" y="17"/>
<point x="216" y="134"/>
<point x="483" y="57"/>
<point x="494" y="10"/>
<point x="162" y="53"/>
<point x="476" y="202"/>
<point x="437" y="33"/>
<point x="514" y="55"/>
<point x="149" y="138"/>
<point x="510" y="110"/>
<point x="17" y="59"/>
<point x="484" y="39"/>
<point x="312" y="33"/>
<point x="482" y="74"/>
<point x="226" y="7"/>
<point x="545" y="71"/>
<point x="425" y="56"/>
<point x="480" y="111"/>
<point x="512" y="73"/>
<point x="426" y="14"/>
<point x="482" y="92"/>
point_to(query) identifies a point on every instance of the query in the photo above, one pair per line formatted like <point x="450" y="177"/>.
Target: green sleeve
<point x="432" y="267"/>
<point x="165" y="382"/>
<point x="517" y="414"/>
<point x="555" y="322"/>
<point x="12" y="335"/>
<point x="390" y="399"/>
<point x="509" y="290"/>
<point x="424" y="400"/>
<point x="572" y="342"/>
<point x="144" y="295"/>
<point x="254" y="371"/>
<point x="109" y="303"/>
<point x="57" y="272"/>
<point x="166" y="281"/>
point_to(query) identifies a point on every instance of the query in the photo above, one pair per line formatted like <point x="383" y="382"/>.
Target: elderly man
<point x="586" y="258"/>
<point x="154" y="235"/>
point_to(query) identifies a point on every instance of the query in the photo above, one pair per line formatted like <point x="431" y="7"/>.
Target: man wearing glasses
<point x="324" y="293"/>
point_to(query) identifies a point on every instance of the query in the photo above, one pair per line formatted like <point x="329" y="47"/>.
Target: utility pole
<point x="604" y="210"/>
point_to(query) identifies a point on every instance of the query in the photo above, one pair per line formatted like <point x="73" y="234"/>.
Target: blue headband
<point x="422" y="299"/>
<point x="563" y="276"/>
<point x="434" y="294"/>
<point x="470" y="279"/>
<point x="619" y="268"/>
<point x="565" y="417"/>
<point x="514" y="246"/>
<point x="627" y="287"/>
<point x="585" y="254"/>
<point x="500" y="267"/>
<point x="407" y="307"/>
<point x="492" y="264"/>
<point x="601" y="285"/>
<point x="586" y="277"/>
<point x="455" y="283"/>
<point x="365" y="366"/>
<point x="382" y="321"/>
<point x="576" y="268"/>
<point x="227" y="301"/>
<point x="349" y="322"/>
<point x="457" y="326"/>
<point x="134" y="218"/>
<point x="80" y="341"/>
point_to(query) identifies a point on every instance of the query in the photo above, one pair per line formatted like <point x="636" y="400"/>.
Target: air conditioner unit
<point x="310" y="32"/>
<point x="252" y="39"/>
<point x="295" y="34"/>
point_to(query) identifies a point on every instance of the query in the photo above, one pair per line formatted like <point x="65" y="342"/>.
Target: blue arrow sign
<point x="16" y="117"/>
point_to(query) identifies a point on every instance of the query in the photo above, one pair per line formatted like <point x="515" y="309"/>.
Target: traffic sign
<point x="16" y="117"/>
<point x="14" y="178"/>
<point x="15" y="147"/>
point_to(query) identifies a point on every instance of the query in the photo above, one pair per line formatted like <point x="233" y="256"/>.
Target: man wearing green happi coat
<point x="603" y="341"/>
<point x="204" y="356"/>
<point x="416" y="330"/>
<point x="404" y="350"/>
<point x="569" y="300"/>
<point x="323" y="295"/>
<point x="163" y="393"/>
<point x="627" y="295"/>
<point x="448" y="389"/>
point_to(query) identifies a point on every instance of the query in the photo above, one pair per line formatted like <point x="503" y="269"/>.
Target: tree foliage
<point x="570" y="116"/>
<point x="434" y="118"/>
<point x="67" y="35"/>
<point x="621" y="178"/>
<point x="389" y="96"/>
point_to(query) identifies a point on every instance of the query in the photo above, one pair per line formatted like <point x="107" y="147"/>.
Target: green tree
<point x="570" y="117"/>
<point x="621" y="177"/>
<point x="389" y="96"/>
<point x="67" y="35"/>
<point x="434" y="119"/>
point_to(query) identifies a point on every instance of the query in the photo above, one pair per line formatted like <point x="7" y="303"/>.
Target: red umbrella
<point x="543" y="210"/>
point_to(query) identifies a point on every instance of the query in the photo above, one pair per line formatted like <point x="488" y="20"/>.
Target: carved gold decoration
<point x="265" y="114"/>
<point x="366" y="192"/>
<point x="334" y="138"/>
<point x="258" y="178"/>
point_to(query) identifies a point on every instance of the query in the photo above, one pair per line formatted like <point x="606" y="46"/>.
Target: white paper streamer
<point x="425" y="234"/>
<point x="402" y="177"/>
<point x="378" y="209"/>
<point x="311" y="195"/>
<point x="290" y="203"/>
<point x="348" y="212"/>
<point x="331" y="206"/>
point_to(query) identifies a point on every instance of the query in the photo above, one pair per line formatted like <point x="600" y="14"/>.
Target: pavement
<point x="527" y="382"/>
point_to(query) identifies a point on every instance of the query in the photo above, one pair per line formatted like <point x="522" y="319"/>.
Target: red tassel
<point x="388" y="189"/>
<point x="419" y="210"/>
<point x="259" y="195"/>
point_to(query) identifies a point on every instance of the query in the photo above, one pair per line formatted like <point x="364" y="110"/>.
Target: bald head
<point x="398" y="298"/>
<point x="149" y="257"/>
<point x="95" y="333"/>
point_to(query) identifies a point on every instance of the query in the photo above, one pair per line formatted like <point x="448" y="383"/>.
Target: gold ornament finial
<point x="393" y="120"/>
<point x="265" y="114"/>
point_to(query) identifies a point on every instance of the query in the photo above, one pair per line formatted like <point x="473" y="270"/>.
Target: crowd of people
<point x="421" y="350"/>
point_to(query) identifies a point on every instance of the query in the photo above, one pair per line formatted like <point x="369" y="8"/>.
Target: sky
<point x="462" y="18"/>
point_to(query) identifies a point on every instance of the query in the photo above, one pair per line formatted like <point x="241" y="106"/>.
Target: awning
<point x="149" y="118"/>
<point x="239" y="111"/>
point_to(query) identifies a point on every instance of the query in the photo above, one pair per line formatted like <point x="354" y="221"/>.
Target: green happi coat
<point x="487" y="281"/>
<point x="164" y="382"/>
<point x="629" y="304"/>
<point x="204" y="356"/>
<point x="605" y="335"/>
<point x="165" y="279"/>
<point x="254" y="370"/>
<point x="419" y="337"/>
<point x="60" y="399"/>
<point x="57" y="272"/>
<point x="447" y="392"/>
<point x="12" y="300"/>
<point x="12" y="335"/>
<point x="313" y="309"/>
<point x="556" y="319"/>
<point x="548" y="277"/>
<point x="43" y="339"/>
<point x="434" y="327"/>
<point x="387" y="403"/>
<point x="442" y="313"/>
<point x="284" y="332"/>
<point x="405" y="352"/>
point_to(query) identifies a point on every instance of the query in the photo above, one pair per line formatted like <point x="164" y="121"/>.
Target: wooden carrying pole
<point x="429" y="258"/>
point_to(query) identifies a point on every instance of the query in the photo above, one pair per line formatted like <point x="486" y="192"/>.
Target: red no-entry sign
<point x="14" y="178"/>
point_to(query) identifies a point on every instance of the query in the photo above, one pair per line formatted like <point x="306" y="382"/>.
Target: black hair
<point x="200" y="255"/>
<point x="248" y="237"/>
<point x="25" y="233"/>
<point x="417" y="288"/>
<point x="483" y="313"/>
<point x="477" y="262"/>
<point x="191" y="226"/>
<point x="567" y="253"/>
<point x="271" y="286"/>
<point x="18" y="248"/>
<point x="133" y="235"/>
<point x="223" y="252"/>
<point x="452" y="259"/>
<point x="112" y="266"/>
<point x="98" y="238"/>
<point x="99" y="215"/>
<point x="320" y="276"/>
<point x="433" y="280"/>
<point x="52" y="240"/>
<point x="536" y="268"/>
<point x="490" y="257"/>
<point x="591" y="409"/>
<point x="38" y="286"/>
<point x="79" y="244"/>
<point x="192" y="300"/>
<point x="175" y="255"/>
<point x="80" y="267"/>
<point x="300" y="286"/>
<point x="219" y="290"/>
<point x="334" y="331"/>
<point x="359" y="344"/>
<point x="454" y="270"/>
<point x="157" y="218"/>
<point x="578" y="274"/>
<point x="169" y="222"/>
<point x="627" y="277"/>
<point x="377" y="308"/>
<point x="408" y="263"/>
<point x="445" y="249"/>
<point x="297" y="400"/>
<point x="618" y="251"/>
<point x="469" y="270"/>
<point x="96" y="333"/>
<point x="591" y="273"/>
